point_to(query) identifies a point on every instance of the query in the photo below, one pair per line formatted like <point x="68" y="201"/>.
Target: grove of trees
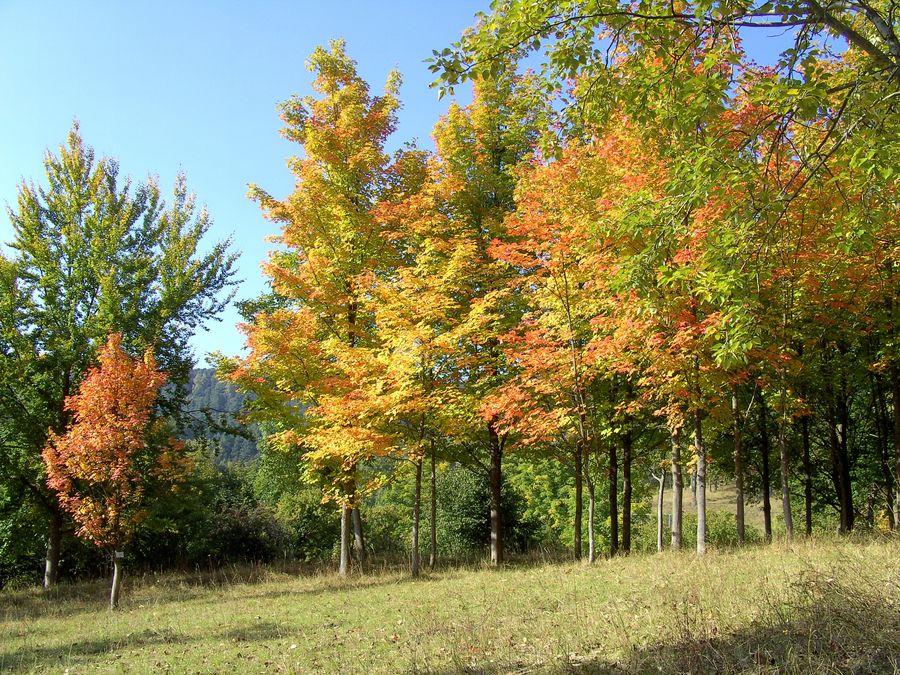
<point x="649" y="257"/>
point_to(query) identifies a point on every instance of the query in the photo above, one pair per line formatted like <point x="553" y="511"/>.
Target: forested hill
<point x="213" y="404"/>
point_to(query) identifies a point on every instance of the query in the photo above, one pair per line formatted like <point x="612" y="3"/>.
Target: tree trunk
<point x="834" y="444"/>
<point x="694" y="486"/>
<point x="116" y="580"/>
<point x="738" y="468"/>
<point x="359" y="542"/>
<point x="626" y="490"/>
<point x="767" y="498"/>
<point x="895" y="390"/>
<point x="351" y="513"/>
<point x="496" y="506"/>
<point x="807" y="473"/>
<point x="701" y="482"/>
<point x="54" y="532"/>
<point x="660" y="496"/>
<point x="344" y="567"/>
<point x="883" y="425"/>
<point x="613" y="500"/>
<point x="417" y="502"/>
<point x="432" y="553"/>
<point x="677" y="490"/>
<point x="846" y="488"/>
<point x="579" y="451"/>
<point x="54" y="542"/>
<point x="588" y="479"/>
<point x="783" y="460"/>
<point x="870" y="505"/>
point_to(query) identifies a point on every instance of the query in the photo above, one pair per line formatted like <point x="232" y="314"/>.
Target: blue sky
<point x="192" y="86"/>
<point x="169" y="86"/>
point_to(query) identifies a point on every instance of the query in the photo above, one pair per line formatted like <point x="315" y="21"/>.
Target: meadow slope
<point x="824" y="606"/>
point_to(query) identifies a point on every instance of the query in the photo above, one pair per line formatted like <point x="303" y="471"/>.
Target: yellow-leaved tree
<point x="312" y="365"/>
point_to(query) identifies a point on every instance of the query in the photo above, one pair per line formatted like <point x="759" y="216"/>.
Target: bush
<point x="463" y="514"/>
<point x="312" y="527"/>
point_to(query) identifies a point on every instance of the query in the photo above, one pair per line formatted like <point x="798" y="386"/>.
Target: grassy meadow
<point x="819" y="606"/>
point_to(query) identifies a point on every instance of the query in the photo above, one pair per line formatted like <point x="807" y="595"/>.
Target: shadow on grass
<point x="89" y="597"/>
<point x="48" y="658"/>
<point x="63" y="600"/>
<point x="68" y="599"/>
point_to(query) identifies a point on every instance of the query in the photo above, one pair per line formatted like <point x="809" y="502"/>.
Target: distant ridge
<point x="213" y="407"/>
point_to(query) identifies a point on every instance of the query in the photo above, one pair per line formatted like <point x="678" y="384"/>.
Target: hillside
<point x="212" y="406"/>
<point x="810" y="607"/>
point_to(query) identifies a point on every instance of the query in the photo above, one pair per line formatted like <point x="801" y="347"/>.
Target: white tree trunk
<point x="660" y="497"/>
<point x="116" y="580"/>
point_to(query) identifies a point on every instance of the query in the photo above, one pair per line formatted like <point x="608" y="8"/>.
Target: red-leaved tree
<point x="100" y="466"/>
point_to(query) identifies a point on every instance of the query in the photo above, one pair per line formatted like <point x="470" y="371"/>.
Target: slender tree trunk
<point x="344" y="567"/>
<point x="417" y="502"/>
<point x="432" y="553"/>
<point x="807" y="473"/>
<point x="883" y="426"/>
<point x="766" y="490"/>
<point x="870" y="505"/>
<point x="834" y="445"/>
<point x="660" y="496"/>
<point x="895" y="391"/>
<point x="579" y="451"/>
<point x="352" y="513"/>
<point x="693" y="484"/>
<point x="677" y="490"/>
<point x="783" y="459"/>
<point x="613" y="499"/>
<point x="626" y="490"/>
<point x="496" y="505"/>
<point x="888" y="489"/>
<point x="846" y="488"/>
<point x="54" y="532"/>
<point x="116" y="580"/>
<point x="701" y="482"/>
<point x="738" y="468"/>
<point x="54" y="542"/>
<point x="588" y="479"/>
<point x="359" y="542"/>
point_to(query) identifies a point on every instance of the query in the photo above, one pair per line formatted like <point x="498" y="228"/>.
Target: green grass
<point x="721" y="498"/>
<point x="822" y="606"/>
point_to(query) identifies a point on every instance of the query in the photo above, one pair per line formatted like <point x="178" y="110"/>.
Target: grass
<point x="721" y="498"/>
<point x="820" y="606"/>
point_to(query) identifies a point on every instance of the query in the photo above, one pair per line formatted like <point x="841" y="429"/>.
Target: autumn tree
<point x="100" y="466"/>
<point x="416" y="305"/>
<point x="91" y="255"/>
<point x="479" y="149"/>
<point x="549" y="399"/>
<point x="311" y="350"/>
<point x="829" y="101"/>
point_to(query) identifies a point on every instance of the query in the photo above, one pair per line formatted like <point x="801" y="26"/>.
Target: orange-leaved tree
<point x="101" y="466"/>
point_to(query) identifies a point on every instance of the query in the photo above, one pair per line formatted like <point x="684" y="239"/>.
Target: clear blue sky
<point x="168" y="86"/>
<point x="192" y="86"/>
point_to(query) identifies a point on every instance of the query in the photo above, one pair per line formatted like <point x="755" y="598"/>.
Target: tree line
<point x="650" y="256"/>
<point x="653" y="249"/>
